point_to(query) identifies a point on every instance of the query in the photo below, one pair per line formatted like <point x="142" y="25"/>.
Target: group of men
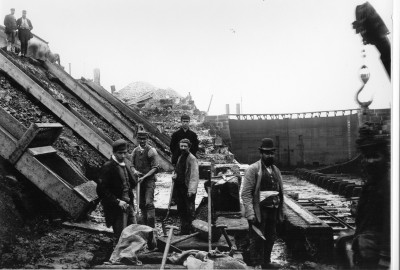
<point x="21" y="28"/>
<point x="136" y="170"/>
<point x="125" y="172"/>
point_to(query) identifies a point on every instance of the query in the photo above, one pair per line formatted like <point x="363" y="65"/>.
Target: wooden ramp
<point x="93" y="100"/>
<point x="129" y="112"/>
<point x="31" y="153"/>
<point x="47" y="100"/>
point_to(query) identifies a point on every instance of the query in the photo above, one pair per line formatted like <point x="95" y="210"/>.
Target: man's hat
<point x="185" y="117"/>
<point x="119" y="145"/>
<point x="142" y="135"/>
<point x="267" y="144"/>
<point x="186" y="141"/>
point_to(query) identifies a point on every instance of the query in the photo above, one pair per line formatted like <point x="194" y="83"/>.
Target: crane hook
<point x="364" y="75"/>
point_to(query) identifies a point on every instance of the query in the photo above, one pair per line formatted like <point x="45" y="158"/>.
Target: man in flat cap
<point x="145" y="162"/>
<point x="183" y="132"/>
<point x="186" y="177"/>
<point x="114" y="188"/>
<point x="262" y="196"/>
<point x="11" y="30"/>
<point x="24" y="32"/>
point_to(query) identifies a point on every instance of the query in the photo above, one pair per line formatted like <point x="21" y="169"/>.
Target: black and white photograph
<point x="199" y="134"/>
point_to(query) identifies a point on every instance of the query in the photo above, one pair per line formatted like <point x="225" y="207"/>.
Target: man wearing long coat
<point x="262" y="196"/>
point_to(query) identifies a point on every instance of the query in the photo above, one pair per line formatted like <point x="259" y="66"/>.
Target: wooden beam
<point x="12" y="125"/>
<point x="92" y="101"/>
<point x="54" y="106"/>
<point x="43" y="150"/>
<point x="163" y="140"/>
<point x="23" y="143"/>
<point x="129" y="112"/>
<point x="45" y="179"/>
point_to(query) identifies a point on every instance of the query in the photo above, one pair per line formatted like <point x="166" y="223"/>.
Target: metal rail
<point x="281" y="116"/>
<point x="332" y="215"/>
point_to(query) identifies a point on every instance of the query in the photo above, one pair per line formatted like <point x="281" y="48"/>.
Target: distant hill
<point x="136" y="90"/>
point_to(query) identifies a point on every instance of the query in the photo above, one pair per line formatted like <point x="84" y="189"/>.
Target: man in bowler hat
<point x="262" y="196"/>
<point x="114" y="188"/>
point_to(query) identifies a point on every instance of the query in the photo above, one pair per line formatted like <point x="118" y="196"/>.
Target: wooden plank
<point x="144" y="266"/>
<point x="52" y="185"/>
<point x="12" y="125"/>
<point x="53" y="105"/>
<point x="92" y="101"/>
<point x="89" y="226"/>
<point x="164" y="160"/>
<point x="88" y="123"/>
<point x="126" y="110"/>
<point x="43" y="150"/>
<point x="234" y="224"/>
<point x="23" y="143"/>
<point x="301" y="212"/>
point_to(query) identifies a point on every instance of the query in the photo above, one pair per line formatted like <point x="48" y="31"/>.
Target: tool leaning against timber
<point x="169" y="207"/>
<point x="209" y="216"/>
<point x="164" y="259"/>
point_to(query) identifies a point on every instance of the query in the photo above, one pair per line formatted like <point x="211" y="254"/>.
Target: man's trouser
<point x="146" y="203"/>
<point x="24" y="36"/>
<point x="260" y="250"/>
<point x="186" y="207"/>
<point x="11" y="40"/>
<point x="118" y="225"/>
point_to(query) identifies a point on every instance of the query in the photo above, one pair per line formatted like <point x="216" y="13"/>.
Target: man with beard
<point x="114" y="188"/>
<point x="145" y="162"/>
<point x="262" y="196"/>
<point x="186" y="177"/>
<point x="183" y="132"/>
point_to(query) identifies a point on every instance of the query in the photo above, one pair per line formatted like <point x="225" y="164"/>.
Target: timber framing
<point x="129" y="112"/>
<point x="54" y="106"/>
<point x="29" y="151"/>
<point x="93" y="100"/>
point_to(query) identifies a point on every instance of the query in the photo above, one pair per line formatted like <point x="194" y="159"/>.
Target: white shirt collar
<point x="115" y="159"/>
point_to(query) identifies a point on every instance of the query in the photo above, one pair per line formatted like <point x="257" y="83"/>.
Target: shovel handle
<point x="164" y="259"/>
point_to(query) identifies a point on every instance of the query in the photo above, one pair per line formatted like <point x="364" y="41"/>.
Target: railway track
<point x="332" y="209"/>
<point x="329" y="215"/>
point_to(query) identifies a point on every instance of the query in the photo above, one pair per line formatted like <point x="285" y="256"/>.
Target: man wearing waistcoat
<point x="145" y="162"/>
<point x="262" y="196"/>
<point x="24" y="32"/>
<point x="114" y="188"/>
<point x="186" y="178"/>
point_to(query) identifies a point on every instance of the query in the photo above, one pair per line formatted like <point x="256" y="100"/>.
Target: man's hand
<point x="123" y="205"/>
<point x="190" y="194"/>
<point x="174" y="176"/>
<point x="140" y="179"/>
<point x="251" y="220"/>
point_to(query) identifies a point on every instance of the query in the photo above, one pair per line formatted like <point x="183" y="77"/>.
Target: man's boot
<point x="151" y="218"/>
<point x="143" y="217"/>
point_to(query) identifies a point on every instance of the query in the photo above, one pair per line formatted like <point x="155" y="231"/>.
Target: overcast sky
<point x="273" y="56"/>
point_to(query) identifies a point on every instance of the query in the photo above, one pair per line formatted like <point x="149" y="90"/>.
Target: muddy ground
<point x="47" y="244"/>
